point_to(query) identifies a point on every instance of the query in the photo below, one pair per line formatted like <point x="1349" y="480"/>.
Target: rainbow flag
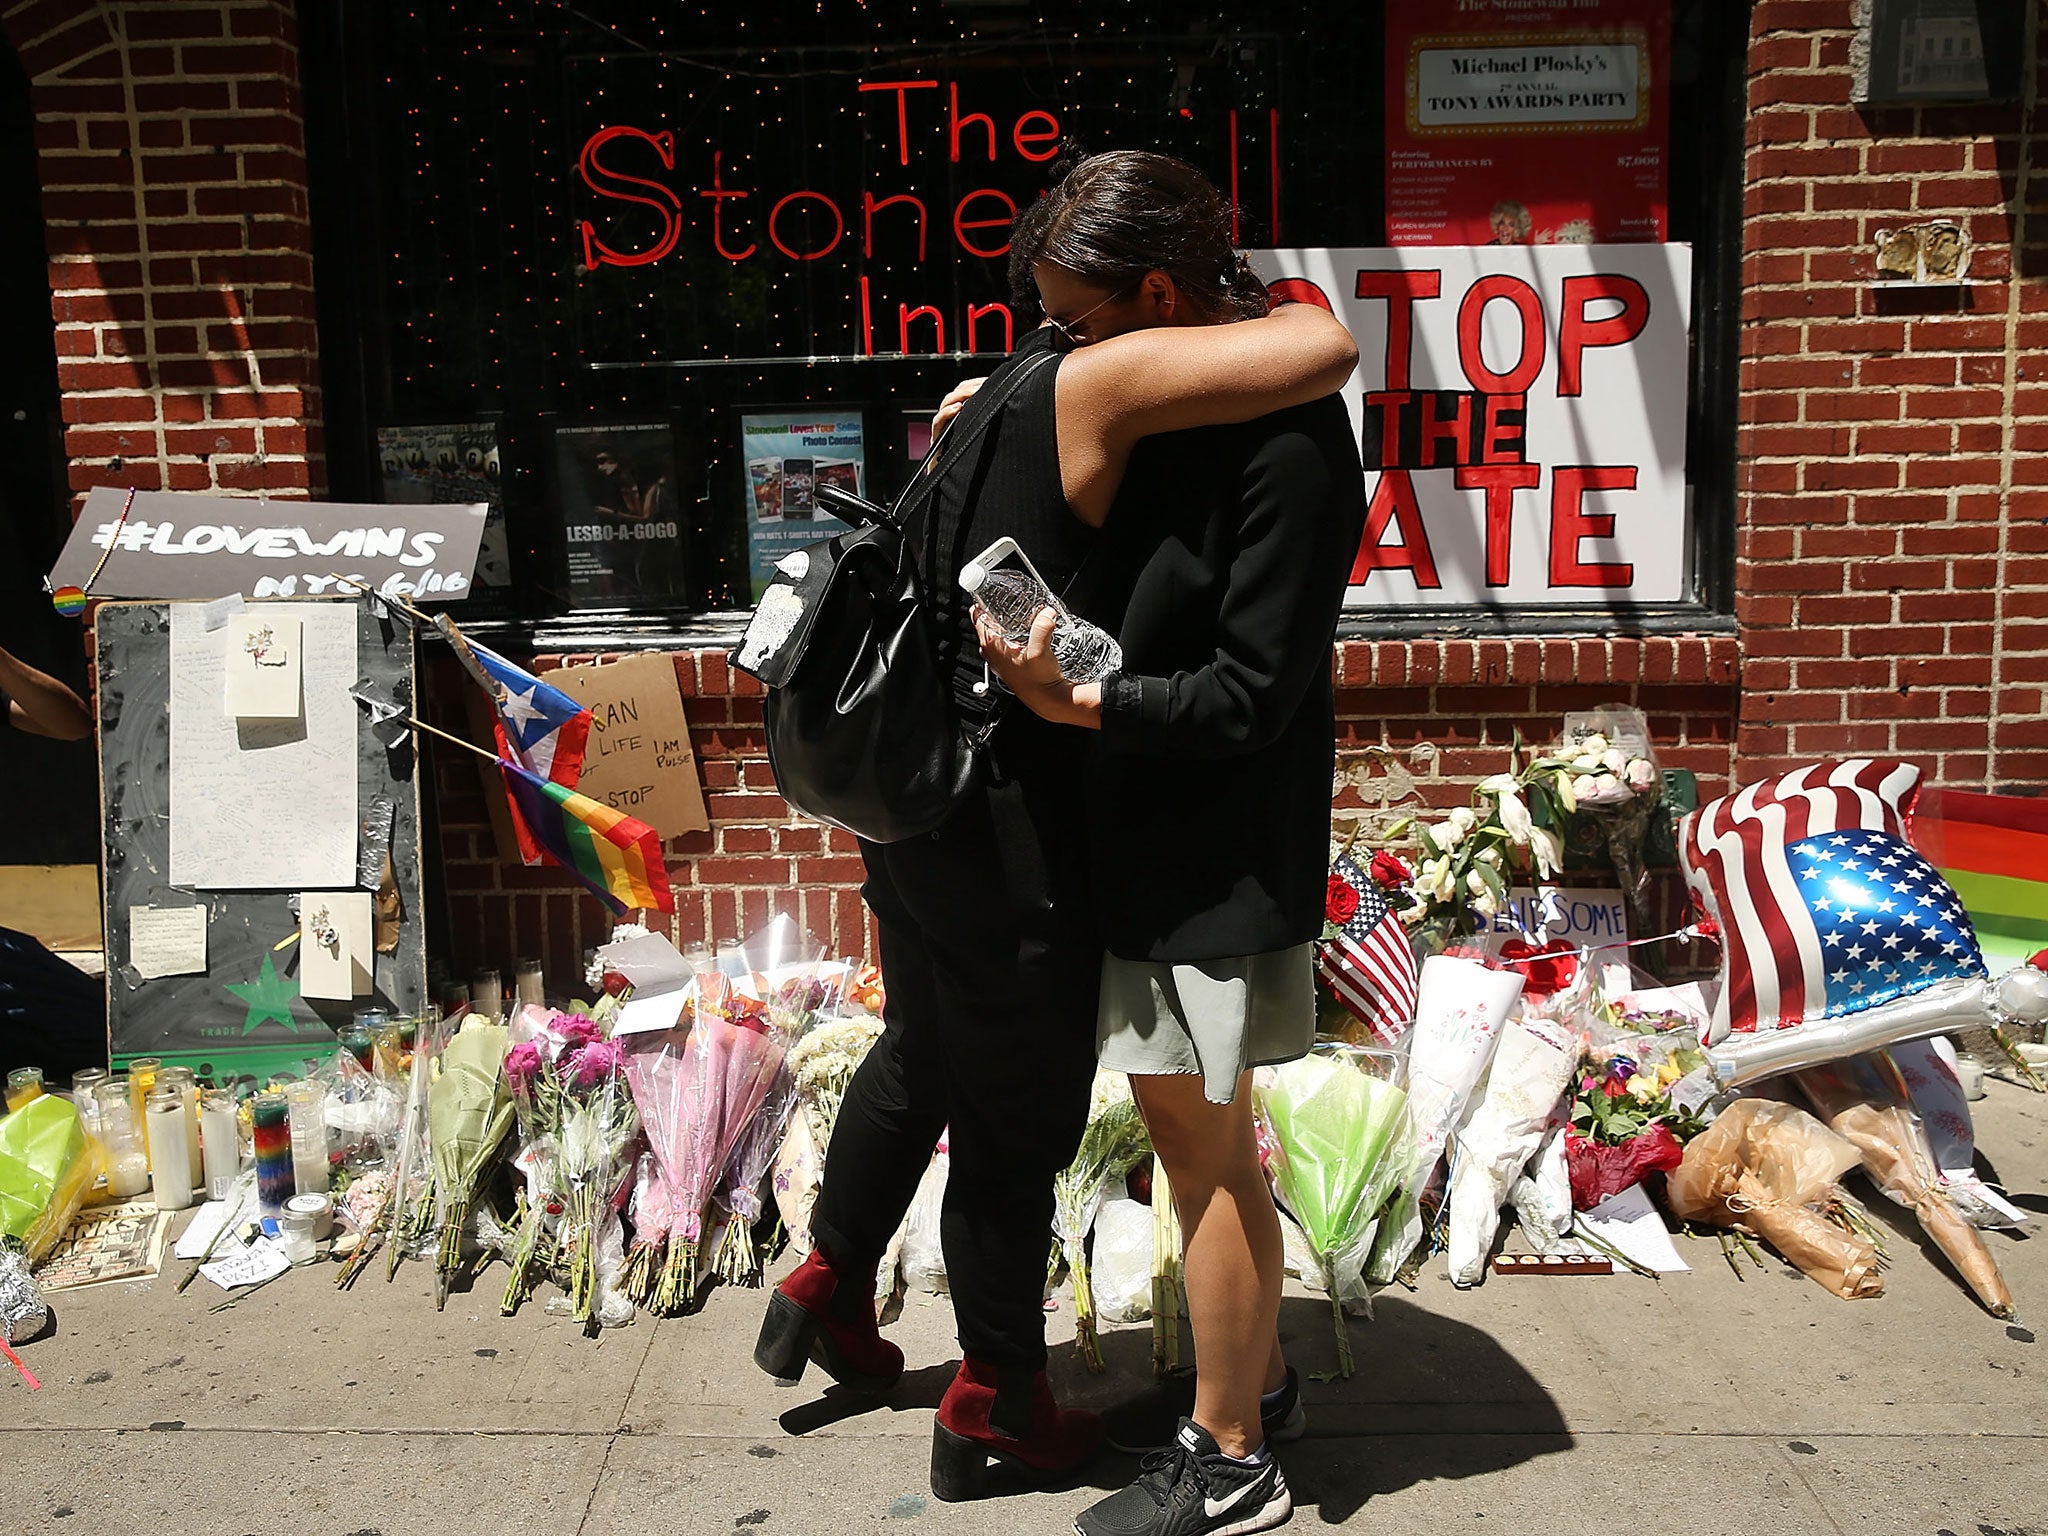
<point x="617" y="857"/>
<point x="1993" y="849"/>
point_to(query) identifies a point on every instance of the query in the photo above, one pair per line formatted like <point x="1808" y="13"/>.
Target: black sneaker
<point x="1149" y="1421"/>
<point x="1192" y="1489"/>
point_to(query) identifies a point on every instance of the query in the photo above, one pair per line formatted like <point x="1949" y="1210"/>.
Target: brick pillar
<point x="1892" y="552"/>
<point x="173" y="164"/>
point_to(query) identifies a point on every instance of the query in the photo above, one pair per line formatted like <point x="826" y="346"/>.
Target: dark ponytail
<point x="1111" y="218"/>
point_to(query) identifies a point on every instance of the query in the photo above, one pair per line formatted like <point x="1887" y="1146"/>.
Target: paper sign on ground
<point x="264" y="805"/>
<point x="1630" y="1224"/>
<point x="167" y="941"/>
<point x="335" y="957"/>
<point x="260" y="655"/>
<point x="211" y="1217"/>
<point x="638" y="757"/>
<point x="107" y="1242"/>
<point x="259" y="1261"/>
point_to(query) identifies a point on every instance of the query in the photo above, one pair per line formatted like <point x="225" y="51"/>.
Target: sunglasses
<point x="1070" y="331"/>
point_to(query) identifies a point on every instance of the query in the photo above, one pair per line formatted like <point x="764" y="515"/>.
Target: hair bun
<point x="1066" y="159"/>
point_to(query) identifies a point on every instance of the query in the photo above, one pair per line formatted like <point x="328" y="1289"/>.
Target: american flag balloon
<point x="1824" y="907"/>
<point x="1370" y="963"/>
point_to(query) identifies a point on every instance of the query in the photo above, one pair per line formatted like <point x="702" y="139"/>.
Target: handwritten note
<point x="1631" y="1225"/>
<point x="167" y="941"/>
<point x="638" y="757"/>
<point x="259" y="1261"/>
<point x="264" y="805"/>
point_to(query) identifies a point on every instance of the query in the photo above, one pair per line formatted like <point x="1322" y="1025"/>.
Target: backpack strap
<point x="958" y="440"/>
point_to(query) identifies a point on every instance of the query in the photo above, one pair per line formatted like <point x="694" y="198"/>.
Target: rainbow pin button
<point x="69" y="601"/>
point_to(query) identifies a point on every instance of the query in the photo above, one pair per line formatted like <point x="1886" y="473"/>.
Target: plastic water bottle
<point x="1086" y="653"/>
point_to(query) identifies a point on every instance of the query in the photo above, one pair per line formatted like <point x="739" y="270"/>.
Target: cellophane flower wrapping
<point x="1927" y="1068"/>
<point x="469" y="1112"/>
<point x="795" y="1177"/>
<point x="1531" y="1071"/>
<point x="1113" y="1143"/>
<point x="924" y="1259"/>
<point x="1542" y="1196"/>
<point x="1338" y="1119"/>
<point x="1461" y="1007"/>
<point x="537" y="1071"/>
<point x="653" y="1213"/>
<point x="1863" y="1100"/>
<point x="1767" y="1168"/>
<point x="795" y="986"/>
<point x="598" y="1124"/>
<point x="823" y="1063"/>
<point x="47" y="1167"/>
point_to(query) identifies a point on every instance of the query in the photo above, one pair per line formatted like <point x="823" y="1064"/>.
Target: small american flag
<point x="1369" y="964"/>
<point x="1823" y="906"/>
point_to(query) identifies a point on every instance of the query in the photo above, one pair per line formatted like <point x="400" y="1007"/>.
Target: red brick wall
<point x="1446" y="710"/>
<point x="1892" y="572"/>
<point x="173" y="165"/>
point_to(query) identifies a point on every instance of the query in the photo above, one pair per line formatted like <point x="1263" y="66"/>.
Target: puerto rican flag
<point x="1370" y="963"/>
<point x="1824" y="907"/>
<point x="540" y="728"/>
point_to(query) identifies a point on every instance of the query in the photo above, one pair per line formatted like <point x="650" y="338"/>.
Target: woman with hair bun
<point x="988" y="931"/>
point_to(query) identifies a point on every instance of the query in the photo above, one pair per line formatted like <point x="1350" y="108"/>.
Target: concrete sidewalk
<point x="1696" y="1405"/>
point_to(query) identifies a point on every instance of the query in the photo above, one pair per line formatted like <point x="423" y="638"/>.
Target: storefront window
<point x="646" y="278"/>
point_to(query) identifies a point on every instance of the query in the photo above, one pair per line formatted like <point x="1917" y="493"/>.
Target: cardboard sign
<point x="638" y="757"/>
<point x="1558" y="917"/>
<point x="179" y="544"/>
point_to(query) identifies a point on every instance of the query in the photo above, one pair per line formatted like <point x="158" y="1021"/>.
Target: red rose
<point x="1553" y="973"/>
<point x="1389" y="873"/>
<point x="1340" y="902"/>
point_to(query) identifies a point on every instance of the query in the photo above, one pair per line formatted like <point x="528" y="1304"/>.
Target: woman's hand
<point x="1030" y="672"/>
<point x="955" y="402"/>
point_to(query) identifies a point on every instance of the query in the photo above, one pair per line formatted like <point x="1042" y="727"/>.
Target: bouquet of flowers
<point x="1113" y="1144"/>
<point x="1864" y="1101"/>
<point x="598" y="1121"/>
<point x="1618" y="790"/>
<point x="469" y="1110"/>
<point x="1768" y="1169"/>
<point x="1531" y="1071"/>
<point x="653" y="1213"/>
<point x="1337" y="1118"/>
<point x="823" y="1063"/>
<point x="1624" y="1124"/>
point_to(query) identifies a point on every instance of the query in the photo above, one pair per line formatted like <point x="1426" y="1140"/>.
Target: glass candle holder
<point x="528" y="984"/>
<point x="361" y="1044"/>
<point x="142" y="1071"/>
<point x="181" y="1078"/>
<point x="121" y="1135"/>
<point x="24" y="1084"/>
<point x="220" y="1140"/>
<point x="170" y="1170"/>
<point x="307" y="1105"/>
<point x="270" y="1120"/>
<point x="487" y="994"/>
<point x="454" y="1000"/>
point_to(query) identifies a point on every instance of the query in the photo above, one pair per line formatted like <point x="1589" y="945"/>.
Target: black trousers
<point x="992" y="966"/>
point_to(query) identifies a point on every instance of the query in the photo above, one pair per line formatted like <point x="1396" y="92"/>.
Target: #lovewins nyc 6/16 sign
<point x="1521" y="412"/>
<point x="180" y="545"/>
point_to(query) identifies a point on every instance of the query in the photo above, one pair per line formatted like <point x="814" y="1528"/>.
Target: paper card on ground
<point x="335" y="953"/>
<point x="262" y="665"/>
<point x="167" y="941"/>
<point x="1631" y="1225"/>
<point x="210" y="1218"/>
<point x="259" y="1261"/>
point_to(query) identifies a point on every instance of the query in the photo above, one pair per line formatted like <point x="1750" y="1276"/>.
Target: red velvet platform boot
<point x="1008" y="1418"/>
<point x="827" y="1315"/>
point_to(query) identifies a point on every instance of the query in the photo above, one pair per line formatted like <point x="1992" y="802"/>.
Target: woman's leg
<point x="1233" y="1267"/>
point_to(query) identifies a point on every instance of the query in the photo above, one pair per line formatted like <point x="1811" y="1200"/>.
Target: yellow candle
<point x="23" y="1085"/>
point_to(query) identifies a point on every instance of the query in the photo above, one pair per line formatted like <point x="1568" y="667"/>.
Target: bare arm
<point x="1167" y="378"/>
<point x="40" y="705"/>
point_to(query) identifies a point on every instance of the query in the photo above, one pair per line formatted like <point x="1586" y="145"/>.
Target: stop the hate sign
<point x="1521" y="413"/>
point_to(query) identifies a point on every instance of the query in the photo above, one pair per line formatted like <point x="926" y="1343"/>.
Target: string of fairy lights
<point x="483" y="110"/>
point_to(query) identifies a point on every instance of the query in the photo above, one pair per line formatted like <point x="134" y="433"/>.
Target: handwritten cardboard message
<point x="638" y="757"/>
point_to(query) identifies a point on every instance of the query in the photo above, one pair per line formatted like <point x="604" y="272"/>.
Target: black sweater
<point x="1221" y="570"/>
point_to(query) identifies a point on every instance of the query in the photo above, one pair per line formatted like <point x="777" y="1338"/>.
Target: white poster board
<point x="1521" y="411"/>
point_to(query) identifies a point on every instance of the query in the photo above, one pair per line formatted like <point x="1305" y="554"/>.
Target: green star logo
<point x="269" y="996"/>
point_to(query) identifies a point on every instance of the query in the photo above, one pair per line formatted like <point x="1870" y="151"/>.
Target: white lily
<point x="1485" y="905"/>
<point x="1548" y="849"/>
<point x="1447" y="835"/>
<point x="1475" y="882"/>
<point x="1436" y="881"/>
<point x="1490" y="857"/>
<point x="1501" y="784"/>
<point x="1515" y="819"/>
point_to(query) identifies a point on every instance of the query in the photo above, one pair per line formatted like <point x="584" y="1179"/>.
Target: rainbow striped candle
<point x="272" y="1123"/>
